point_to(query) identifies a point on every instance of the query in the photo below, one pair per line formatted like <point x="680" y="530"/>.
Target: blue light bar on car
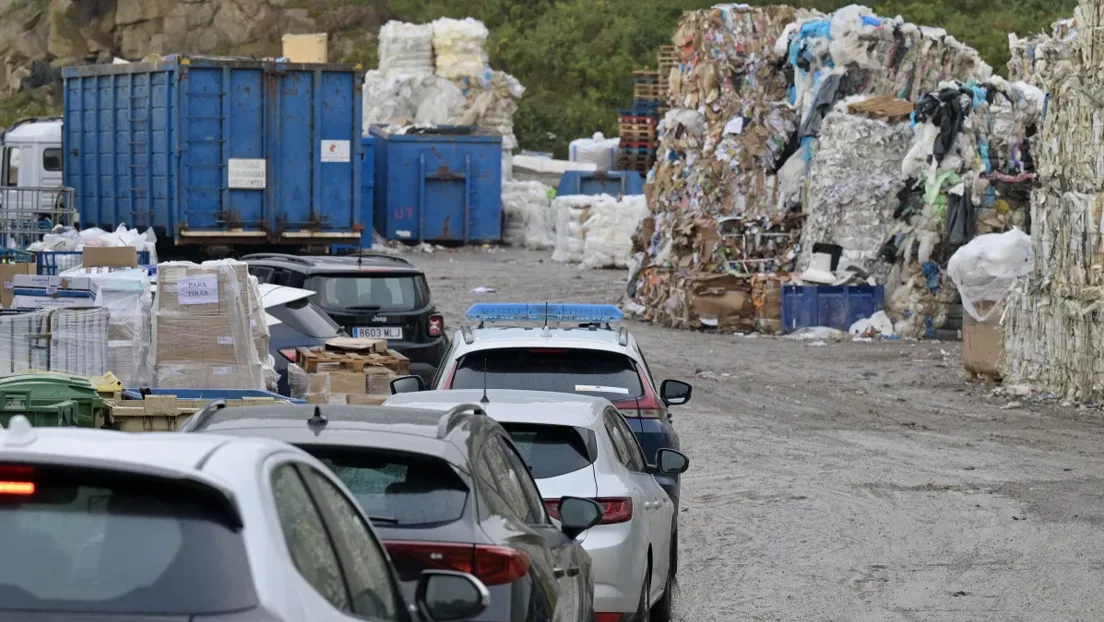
<point x="491" y="312"/>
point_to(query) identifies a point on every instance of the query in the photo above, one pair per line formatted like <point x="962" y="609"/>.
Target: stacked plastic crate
<point x="637" y="125"/>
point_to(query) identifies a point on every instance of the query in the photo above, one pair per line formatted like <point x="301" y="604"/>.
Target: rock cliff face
<point x="38" y="37"/>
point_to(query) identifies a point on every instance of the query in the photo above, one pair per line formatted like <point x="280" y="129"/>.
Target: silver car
<point x="580" y="446"/>
<point x="162" y="526"/>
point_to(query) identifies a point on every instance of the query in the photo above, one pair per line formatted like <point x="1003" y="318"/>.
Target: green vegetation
<point x="576" y="57"/>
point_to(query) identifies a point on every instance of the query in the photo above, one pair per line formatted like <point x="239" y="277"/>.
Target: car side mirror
<point x="675" y="392"/>
<point x="577" y="515"/>
<point x="671" y="462"/>
<point x="407" y="384"/>
<point x="450" y="596"/>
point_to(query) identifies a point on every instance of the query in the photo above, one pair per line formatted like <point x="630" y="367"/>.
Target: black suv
<point x="445" y="492"/>
<point x="370" y="295"/>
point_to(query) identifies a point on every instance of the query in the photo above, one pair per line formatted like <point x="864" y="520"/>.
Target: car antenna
<point x="484" y="399"/>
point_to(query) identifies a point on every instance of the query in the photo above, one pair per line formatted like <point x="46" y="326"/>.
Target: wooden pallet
<point x="649" y="92"/>
<point x="635" y="162"/>
<point x="667" y="54"/>
<point x="310" y="359"/>
<point x="636" y="132"/>
<point x="646" y="76"/>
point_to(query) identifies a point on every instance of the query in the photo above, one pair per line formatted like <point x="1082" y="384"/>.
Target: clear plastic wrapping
<point x="128" y="297"/>
<point x="79" y="341"/>
<point x="202" y="333"/>
<point x="24" y="341"/>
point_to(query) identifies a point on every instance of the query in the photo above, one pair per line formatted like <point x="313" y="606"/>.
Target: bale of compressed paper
<point x="1033" y="58"/>
<point x="1071" y="144"/>
<point x="852" y="196"/>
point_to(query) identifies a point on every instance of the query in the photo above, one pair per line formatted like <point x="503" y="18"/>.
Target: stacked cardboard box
<point x="346" y="371"/>
<point x="202" y="333"/>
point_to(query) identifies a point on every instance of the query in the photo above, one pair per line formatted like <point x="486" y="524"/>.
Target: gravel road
<point x="854" y="481"/>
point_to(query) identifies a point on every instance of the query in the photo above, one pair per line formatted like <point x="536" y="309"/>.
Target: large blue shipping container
<point x="368" y="189"/>
<point x="444" y="185"/>
<point x="217" y="151"/>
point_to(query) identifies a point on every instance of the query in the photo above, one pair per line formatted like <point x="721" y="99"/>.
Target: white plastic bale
<point x="608" y="232"/>
<point x="79" y="341"/>
<point x="597" y="149"/>
<point x="987" y="267"/>
<point x="460" y="47"/>
<point x="529" y="223"/>
<point x="405" y="98"/>
<point x="570" y="212"/>
<point x="406" y="48"/>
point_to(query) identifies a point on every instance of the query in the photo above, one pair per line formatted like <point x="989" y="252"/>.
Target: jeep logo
<point x="379" y="319"/>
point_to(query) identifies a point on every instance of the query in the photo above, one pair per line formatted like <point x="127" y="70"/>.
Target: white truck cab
<point x="32" y="197"/>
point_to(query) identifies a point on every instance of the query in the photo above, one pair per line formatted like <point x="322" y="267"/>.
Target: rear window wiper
<point x="364" y="308"/>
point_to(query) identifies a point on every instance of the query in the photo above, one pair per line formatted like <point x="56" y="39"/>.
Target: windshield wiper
<point x="384" y="519"/>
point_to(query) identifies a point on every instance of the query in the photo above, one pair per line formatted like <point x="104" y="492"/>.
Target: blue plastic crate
<point x="53" y="263"/>
<point x="835" y="306"/>
<point x="10" y="255"/>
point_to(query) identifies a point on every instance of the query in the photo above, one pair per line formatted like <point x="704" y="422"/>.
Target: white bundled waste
<point x="128" y="297"/>
<point x="63" y="238"/>
<point x="529" y="223"/>
<point x="598" y="150"/>
<point x="877" y="324"/>
<point x="988" y="266"/>
<point x="596" y="230"/>
<point x="406" y="48"/>
<point x="491" y="104"/>
<point x="851" y="197"/>
<point x="460" y="47"/>
<point x="409" y="99"/>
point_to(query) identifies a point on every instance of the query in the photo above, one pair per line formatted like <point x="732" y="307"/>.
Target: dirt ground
<point x="854" y="481"/>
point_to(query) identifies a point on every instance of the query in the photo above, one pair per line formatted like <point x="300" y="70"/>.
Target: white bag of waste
<point x="986" y="267"/>
<point x="609" y="230"/>
<point x="529" y="223"/>
<point x="597" y="149"/>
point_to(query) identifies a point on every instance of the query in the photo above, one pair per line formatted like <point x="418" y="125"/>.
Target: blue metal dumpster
<point x="368" y="189"/>
<point x="442" y="184"/>
<point x="835" y="306"/>
<point x="217" y="150"/>
<point x="613" y="183"/>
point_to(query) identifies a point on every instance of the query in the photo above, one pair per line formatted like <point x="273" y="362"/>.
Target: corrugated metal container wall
<point x="444" y="185"/>
<point x="217" y="150"/>
<point x="368" y="189"/>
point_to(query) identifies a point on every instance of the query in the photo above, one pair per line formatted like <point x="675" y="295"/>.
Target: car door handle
<point x="561" y="573"/>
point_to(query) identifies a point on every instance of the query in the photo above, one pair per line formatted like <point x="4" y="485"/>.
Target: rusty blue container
<point x="217" y="150"/>
<point x="440" y="185"/>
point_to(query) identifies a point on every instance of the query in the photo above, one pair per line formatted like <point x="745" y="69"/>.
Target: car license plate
<point x="377" y="332"/>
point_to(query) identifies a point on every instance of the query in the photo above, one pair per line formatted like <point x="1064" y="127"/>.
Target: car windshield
<point x="550" y="450"/>
<point x="94" y="541"/>
<point x="588" y="372"/>
<point x="305" y="317"/>
<point x="369" y="292"/>
<point x="397" y="487"/>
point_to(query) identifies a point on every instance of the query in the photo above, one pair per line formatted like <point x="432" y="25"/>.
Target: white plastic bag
<point x="597" y="149"/>
<point x="986" y="267"/>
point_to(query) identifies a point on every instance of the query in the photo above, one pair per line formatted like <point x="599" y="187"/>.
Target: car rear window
<point x="551" y="450"/>
<point x="586" y="372"/>
<point x="395" y="487"/>
<point x="369" y="292"/>
<point x="305" y="317"/>
<point x="93" y="541"/>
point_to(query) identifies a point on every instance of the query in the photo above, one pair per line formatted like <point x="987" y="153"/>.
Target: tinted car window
<point x="628" y="441"/>
<point x="508" y="480"/>
<point x="593" y="372"/>
<point x="550" y="450"/>
<point x="307" y="540"/>
<point x="370" y="293"/>
<point x="525" y="480"/>
<point x="619" y="446"/>
<point x="97" y="542"/>
<point x="305" y="317"/>
<point x="369" y="577"/>
<point x="407" y="488"/>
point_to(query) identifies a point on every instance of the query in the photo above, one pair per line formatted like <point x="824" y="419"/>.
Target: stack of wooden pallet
<point x="637" y="125"/>
<point x="667" y="59"/>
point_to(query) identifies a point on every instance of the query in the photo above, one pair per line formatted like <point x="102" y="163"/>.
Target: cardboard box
<point x="366" y="400"/>
<point x="359" y="346"/>
<point x="306" y="48"/>
<point x="379" y="380"/>
<point x="348" y="382"/>
<point x="109" y="257"/>
<point x="982" y="342"/>
<point x="7" y="272"/>
<point x="54" y="292"/>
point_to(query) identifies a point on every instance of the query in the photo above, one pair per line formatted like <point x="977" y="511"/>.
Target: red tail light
<point x="615" y="509"/>
<point x="608" y="617"/>
<point x="436" y="326"/>
<point x="493" y="565"/>
<point x="643" y="413"/>
<point x="289" y="354"/>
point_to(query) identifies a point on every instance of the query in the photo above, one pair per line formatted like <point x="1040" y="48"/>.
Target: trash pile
<point x="596" y="231"/>
<point x="69" y="240"/>
<point x="1034" y="56"/>
<point x="755" y="150"/>
<point x="438" y="74"/>
<point x="1053" y="338"/>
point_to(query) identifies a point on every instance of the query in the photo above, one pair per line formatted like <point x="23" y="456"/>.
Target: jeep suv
<point x="370" y="295"/>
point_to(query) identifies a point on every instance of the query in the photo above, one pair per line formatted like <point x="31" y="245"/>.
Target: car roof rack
<point x="445" y="424"/>
<point x="378" y="255"/>
<point x="282" y="256"/>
